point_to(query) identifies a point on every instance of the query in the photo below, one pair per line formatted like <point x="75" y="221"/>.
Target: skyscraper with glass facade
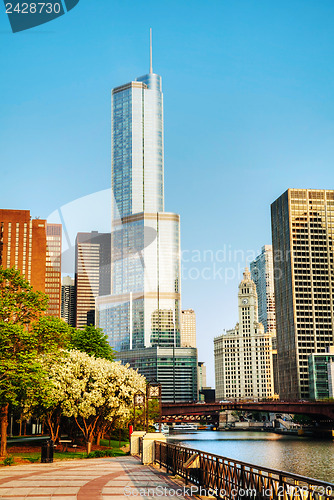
<point x="262" y="273"/>
<point x="303" y="254"/>
<point x="144" y="308"/>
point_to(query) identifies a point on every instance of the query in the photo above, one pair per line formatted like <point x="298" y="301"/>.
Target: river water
<point x="299" y="455"/>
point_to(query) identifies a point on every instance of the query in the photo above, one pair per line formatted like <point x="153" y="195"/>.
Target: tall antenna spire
<point x="151" y="69"/>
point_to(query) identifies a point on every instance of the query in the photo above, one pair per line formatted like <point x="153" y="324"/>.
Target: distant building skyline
<point x="265" y="108"/>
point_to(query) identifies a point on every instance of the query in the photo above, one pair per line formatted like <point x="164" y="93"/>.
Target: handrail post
<point x="242" y="476"/>
<point x="216" y="483"/>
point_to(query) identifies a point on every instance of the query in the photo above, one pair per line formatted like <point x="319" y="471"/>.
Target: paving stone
<point x="66" y="490"/>
<point x="115" y="491"/>
<point x="42" y="491"/>
<point x="14" y="498"/>
<point x="16" y="490"/>
<point x="75" y="480"/>
<point x="39" y="497"/>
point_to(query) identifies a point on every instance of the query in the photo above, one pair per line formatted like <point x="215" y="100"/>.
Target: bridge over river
<point x="177" y="412"/>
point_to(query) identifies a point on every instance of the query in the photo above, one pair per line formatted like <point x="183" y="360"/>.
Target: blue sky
<point x="248" y="88"/>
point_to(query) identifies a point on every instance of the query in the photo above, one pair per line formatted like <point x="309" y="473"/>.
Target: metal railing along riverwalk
<point x="234" y="480"/>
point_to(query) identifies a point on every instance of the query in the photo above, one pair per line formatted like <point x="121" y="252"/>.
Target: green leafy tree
<point x="302" y="419"/>
<point x="53" y="333"/>
<point x="20" y="372"/>
<point x="92" y="341"/>
<point x="19" y="303"/>
<point x="20" y="343"/>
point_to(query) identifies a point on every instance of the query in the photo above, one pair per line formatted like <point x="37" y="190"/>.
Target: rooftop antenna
<point x="151" y="69"/>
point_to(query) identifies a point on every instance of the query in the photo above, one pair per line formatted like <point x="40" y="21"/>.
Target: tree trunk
<point x="3" y="425"/>
<point x="98" y="438"/>
<point x="89" y="446"/>
<point x="53" y="425"/>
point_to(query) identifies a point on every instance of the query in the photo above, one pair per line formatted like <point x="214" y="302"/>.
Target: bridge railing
<point x="229" y="479"/>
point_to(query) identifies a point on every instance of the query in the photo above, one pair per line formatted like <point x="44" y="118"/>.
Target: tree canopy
<point x="79" y="382"/>
<point x="20" y="372"/>
<point x="19" y="303"/>
<point x="92" y="341"/>
<point x="93" y="391"/>
<point x="52" y="333"/>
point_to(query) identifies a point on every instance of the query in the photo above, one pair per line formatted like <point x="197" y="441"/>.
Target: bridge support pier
<point x="225" y="418"/>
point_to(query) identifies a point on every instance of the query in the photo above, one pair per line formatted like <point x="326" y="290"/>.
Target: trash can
<point x="47" y="452"/>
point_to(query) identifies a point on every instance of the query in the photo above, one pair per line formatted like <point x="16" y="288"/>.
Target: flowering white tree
<point x="93" y="391"/>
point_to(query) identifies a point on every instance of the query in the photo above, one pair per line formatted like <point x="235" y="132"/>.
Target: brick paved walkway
<point x="95" y="479"/>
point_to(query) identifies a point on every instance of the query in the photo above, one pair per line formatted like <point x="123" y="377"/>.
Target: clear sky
<point x="249" y="111"/>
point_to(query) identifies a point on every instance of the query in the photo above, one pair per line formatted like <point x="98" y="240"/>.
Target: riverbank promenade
<point x="92" y="479"/>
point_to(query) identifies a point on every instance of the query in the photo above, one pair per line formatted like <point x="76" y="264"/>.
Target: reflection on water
<point x="304" y="456"/>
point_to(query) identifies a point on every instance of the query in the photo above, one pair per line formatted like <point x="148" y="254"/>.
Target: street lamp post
<point x="138" y="400"/>
<point x="153" y="391"/>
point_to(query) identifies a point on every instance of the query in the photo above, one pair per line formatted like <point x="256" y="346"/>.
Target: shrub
<point x="101" y="453"/>
<point x="8" y="460"/>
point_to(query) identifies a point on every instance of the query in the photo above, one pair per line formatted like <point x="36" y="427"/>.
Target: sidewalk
<point x="92" y="479"/>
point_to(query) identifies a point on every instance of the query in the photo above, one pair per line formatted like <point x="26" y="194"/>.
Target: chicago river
<point x="299" y="455"/>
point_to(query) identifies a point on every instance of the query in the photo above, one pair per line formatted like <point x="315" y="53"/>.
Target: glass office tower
<point x="137" y="147"/>
<point x="144" y="308"/>
<point x="262" y="273"/>
<point x="303" y="254"/>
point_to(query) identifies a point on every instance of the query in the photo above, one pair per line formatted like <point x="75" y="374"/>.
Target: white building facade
<point x="243" y="356"/>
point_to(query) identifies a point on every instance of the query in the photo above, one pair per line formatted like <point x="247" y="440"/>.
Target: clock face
<point x="245" y="301"/>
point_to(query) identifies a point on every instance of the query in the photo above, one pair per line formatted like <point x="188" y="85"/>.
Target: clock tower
<point x="243" y="356"/>
<point x="247" y="301"/>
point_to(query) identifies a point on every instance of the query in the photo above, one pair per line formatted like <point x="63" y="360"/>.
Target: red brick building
<point x="23" y="245"/>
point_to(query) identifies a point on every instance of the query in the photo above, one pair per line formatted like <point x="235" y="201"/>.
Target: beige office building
<point x="201" y="375"/>
<point x="53" y="269"/>
<point x="92" y="274"/>
<point x="188" y="328"/>
<point x="303" y="233"/>
<point x="243" y="356"/>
